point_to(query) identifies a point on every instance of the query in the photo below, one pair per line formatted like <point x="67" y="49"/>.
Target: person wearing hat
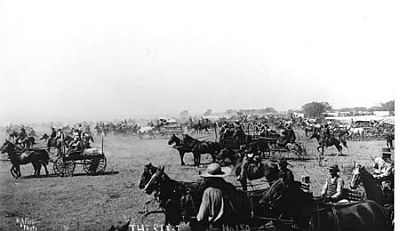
<point x="383" y="169"/>
<point x="53" y="135"/>
<point x="21" y="137"/>
<point x="333" y="186"/>
<point x="250" y="156"/>
<point x="285" y="173"/>
<point x="214" y="191"/>
<point x="76" y="145"/>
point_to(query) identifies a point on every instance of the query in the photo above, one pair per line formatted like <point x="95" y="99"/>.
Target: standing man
<point x="214" y="207"/>
<point x="333" y="187"/>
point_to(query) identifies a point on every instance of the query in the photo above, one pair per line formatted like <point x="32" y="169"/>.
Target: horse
<point x="170" y="193"/>
<point x="148" y="172"/>
<point x="356" y="131"/>
<point x="180" y="201"/>
<point x="292" y="203"/>
<point x="179" y="147"/>
<point x="372" y="186"/>
<point x="330" y="142"/>
<point x="146" y="130"/>
<point x="201" y="147"/>
<point x="257" y="170"/>
<point x="37" y="157"/>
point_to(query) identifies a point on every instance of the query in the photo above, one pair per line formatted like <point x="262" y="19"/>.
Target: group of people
<point x="215" y="207"/>
<point x="80" y="141"/>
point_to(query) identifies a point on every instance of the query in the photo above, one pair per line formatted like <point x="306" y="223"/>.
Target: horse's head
<point x="156" y="180"/>
<point x="44" y="137"/>
<point x="7" y="147"/>
<point x="173" y="139"/>
<point x="356" y="176"/>
<point x="148" y="172"/>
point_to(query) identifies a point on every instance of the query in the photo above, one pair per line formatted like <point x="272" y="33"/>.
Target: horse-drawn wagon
<point x="93" y="161"/>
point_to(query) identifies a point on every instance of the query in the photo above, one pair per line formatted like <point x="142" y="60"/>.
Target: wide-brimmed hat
<point x="215" y="170"/>
<point x="334" y="167"/>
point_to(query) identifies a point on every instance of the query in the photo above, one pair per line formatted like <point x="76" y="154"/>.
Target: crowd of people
<point x="78" y="139"/>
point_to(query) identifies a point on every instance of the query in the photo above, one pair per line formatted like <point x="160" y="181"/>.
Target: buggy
<point x="93" y="160"/>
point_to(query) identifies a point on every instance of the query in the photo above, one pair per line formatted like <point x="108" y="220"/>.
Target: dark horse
<point x="257" y="170"/>
<point x="180" y="201"/>
<point x="309" y="214"/>
<point x="201" y="147"/>
<point x="37" y="157"/>
<point x="189" y="144"/>
<point x="325" y="144"/>
<point x="179" y="146"/>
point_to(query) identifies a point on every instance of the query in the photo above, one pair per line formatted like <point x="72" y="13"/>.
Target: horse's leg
<point x="45" y="168"/>
<point x="181" y="154"/>
<point x="18" y="169"/>
<point x="339" y="148"/>
<point x="13" y="172"/>
<point x="243" y="182"/>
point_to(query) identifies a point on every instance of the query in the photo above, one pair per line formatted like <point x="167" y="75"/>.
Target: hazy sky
<point x="115" y="59"/>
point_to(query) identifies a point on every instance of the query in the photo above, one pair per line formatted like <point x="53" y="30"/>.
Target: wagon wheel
<point x="63" y="167"/>
<point x="95" y="165"/>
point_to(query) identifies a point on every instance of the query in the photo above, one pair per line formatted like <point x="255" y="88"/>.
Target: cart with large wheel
<point x="93" y="160"/>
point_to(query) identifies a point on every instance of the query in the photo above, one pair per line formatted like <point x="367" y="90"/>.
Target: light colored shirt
<point x="333" y="187"/>
<point x="212" y="205"/>
<point x="382" y="168"/>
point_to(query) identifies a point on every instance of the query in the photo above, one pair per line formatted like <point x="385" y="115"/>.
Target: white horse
<point x="147" y="130"/>
<point x="356" y="131"/>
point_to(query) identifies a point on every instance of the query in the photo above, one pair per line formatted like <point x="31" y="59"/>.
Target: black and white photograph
<point x="198" y="115"/>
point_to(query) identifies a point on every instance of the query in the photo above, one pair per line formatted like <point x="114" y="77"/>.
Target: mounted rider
<point x="325" y="133"/>
<point x="21" y="137"/>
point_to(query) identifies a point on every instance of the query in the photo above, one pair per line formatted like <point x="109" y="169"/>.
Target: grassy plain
<point x="84" y="202"/>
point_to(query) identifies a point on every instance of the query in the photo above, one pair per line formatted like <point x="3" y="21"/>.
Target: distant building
<point x="381" y="113"/>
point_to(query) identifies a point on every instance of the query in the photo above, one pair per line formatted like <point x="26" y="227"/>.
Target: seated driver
<point x="76" y="145"/>
<point x="333" y="187"/>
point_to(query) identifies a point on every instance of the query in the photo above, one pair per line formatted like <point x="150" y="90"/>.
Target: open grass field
<point x="84" y="202"/>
